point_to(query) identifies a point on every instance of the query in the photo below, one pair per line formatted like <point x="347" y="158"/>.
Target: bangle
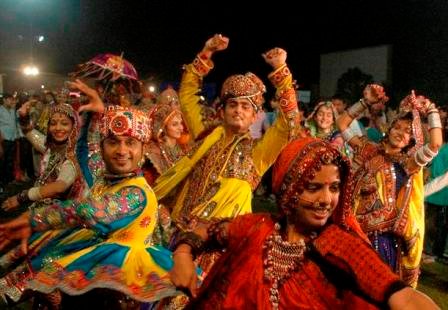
<point x="347" y="134"/>
<point x="434" y="120"/>
<point x="22" y="197"/>
<point x="418" y="162"/>
<point x="34" y="194"/>
<point x="193" y="240"/>
<point x="355" y="110"/>
<point x="427" y="150"/>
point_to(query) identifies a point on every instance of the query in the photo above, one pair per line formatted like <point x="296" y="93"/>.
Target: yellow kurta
<point x="217" y="180"/>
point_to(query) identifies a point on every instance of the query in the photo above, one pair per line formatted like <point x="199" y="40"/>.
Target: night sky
<point x="159" y="36"/>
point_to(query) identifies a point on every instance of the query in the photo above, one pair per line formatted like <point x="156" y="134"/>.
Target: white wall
<point x="371" y="60"/>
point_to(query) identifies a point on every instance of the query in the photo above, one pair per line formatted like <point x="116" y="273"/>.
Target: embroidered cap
<point x="247" y="86"/>
<point x="121" y="121"/>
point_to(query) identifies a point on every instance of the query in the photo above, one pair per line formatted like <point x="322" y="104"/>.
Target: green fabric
<point x="374" y="134"/>
<point x="438" y="167"/>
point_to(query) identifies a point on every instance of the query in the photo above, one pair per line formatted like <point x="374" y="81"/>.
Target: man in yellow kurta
<point x="217" y="178"/>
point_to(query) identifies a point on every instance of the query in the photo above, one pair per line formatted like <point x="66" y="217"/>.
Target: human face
<point x="238" y="115"/>
<point x="60" y="127"/>
<point x="400" y="134"/>
<point x="318" y="200"/>
<point x="324" y="118"/>
<point x="339" y="105"/>
<point x="122" y="154"/>
<point x="174" y="127"/>
<point x="10" y="102"/>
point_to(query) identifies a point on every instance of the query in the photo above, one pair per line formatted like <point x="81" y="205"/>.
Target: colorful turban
<point x="121" y="121"/>
<point x="298" y="163"/>
<point x="247" y="86"/>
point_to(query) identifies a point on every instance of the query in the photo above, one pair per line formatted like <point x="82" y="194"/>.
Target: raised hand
<point x="95" y="103"/>
<point x="24" y="110"/>
<point x="375" y="94"/>
<point x="216" y="43"/>
<point x="275" y="57"/>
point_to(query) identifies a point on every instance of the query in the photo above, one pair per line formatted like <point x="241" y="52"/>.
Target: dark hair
<point x="403" y="117"/>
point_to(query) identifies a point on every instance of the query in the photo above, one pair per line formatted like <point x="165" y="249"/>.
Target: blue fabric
<point x="161" y="256"/>
<point x="386" y="245"/>
<point x="82" y="151"/>
<point x="104" y="254"/>
<point x="107" y="228"/>
<point x="54" y="249"/>
<point x="8" y="123"/>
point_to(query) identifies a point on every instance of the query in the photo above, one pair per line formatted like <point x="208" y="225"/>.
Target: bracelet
<point x="427" y="150"/>
<point x="434" y="120"/>
<point x="218" y="233"/>
<point x="355" y="110"/>
<point x="202" y="65"/>
<point x="193" y="240"/>
<point x="417" y="161"/>
<point x="22" y="197"/>
<point x="347" y="134"/>
<point x="34" y="194"/>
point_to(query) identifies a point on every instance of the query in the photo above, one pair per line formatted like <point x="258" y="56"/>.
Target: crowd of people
<point x="147" y="203"/>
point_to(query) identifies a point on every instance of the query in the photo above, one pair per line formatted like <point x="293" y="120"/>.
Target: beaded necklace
<point x="281" y="259"/>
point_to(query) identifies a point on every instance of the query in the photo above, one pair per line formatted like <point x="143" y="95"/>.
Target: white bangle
<point x="427" y="150"/>
<point x="434" y="120"/>
<point x="347" y="134"/>
<point x="417" y="160"/>
<point x="34" y="194"/>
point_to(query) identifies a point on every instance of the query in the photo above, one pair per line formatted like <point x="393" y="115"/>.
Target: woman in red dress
<point x="313" y="256"/>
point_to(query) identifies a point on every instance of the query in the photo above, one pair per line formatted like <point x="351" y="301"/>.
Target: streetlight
<point x="31" y="70"/>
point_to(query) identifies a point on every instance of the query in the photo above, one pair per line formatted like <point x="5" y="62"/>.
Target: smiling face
<point x="318" y="200"/>
<point x="122" y="154"/>
<point x="238" y="115"/>
<point x="174" y="127"/>
<point x="324" y="118"/>
<point x="60" y="127"/>
<point x="400" y="134"/>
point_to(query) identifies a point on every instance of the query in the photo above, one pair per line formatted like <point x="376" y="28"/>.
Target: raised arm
<point x="192" y="82"/>
<point x="35" y="137"/>
<point x="287" y="124"/>
<point x="426" y="153"/>
<point x="373" y="95"/>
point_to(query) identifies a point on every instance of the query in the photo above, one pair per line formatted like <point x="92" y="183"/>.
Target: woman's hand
<point x="95" y="103"/>
<point x="275" y="57"/>
<point x="183" y="275"/>
<point x="374" y="94"/>
<point x="10" y="204"/>
<point x="17" y="229"/>
<point x="24" y="110"/>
